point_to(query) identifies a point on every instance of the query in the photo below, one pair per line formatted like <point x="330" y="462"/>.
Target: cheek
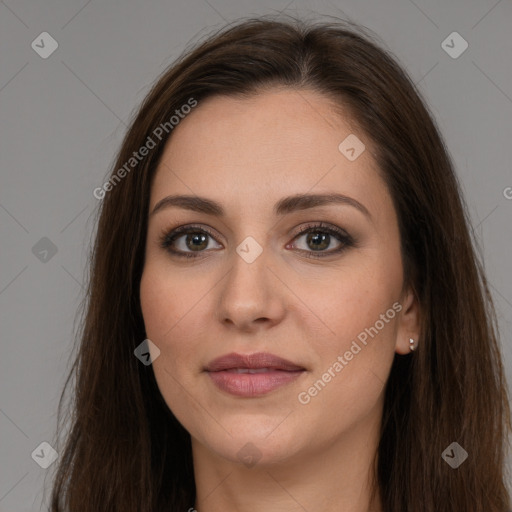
<point x="172" y="308"/>
<point x="358" y="298"/>
<point x="349" y="381"/>
<point x="162" y="309"/>
<point x="361" y="311"/>
<point x="166" y="297"/>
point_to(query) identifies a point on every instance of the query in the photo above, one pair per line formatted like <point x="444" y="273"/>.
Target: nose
<point x="251" y="295"/>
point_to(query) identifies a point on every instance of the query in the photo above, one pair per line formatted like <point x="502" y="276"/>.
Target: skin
<point x="247" y="154"/>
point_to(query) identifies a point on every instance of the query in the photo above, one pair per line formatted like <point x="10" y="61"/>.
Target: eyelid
<point x="320" y="225"/>
<point x="344" y="238"/>
<point x="173" y="233"/>
<point x="168" y="236"/>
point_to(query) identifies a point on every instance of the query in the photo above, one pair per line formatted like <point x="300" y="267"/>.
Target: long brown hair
<point x="126" y="451"/>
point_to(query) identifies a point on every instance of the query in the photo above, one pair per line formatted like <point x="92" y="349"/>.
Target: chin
<point x="252" y="442"/>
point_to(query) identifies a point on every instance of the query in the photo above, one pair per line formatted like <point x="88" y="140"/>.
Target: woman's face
<point x="328" y="301"/>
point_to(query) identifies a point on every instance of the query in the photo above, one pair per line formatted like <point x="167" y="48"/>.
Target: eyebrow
<point x="284" y="206"/>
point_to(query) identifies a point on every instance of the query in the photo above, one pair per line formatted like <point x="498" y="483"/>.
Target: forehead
<point x="251" y="151"/>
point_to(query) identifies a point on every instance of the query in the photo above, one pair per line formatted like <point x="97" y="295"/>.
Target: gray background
<point x="62" y="120"/>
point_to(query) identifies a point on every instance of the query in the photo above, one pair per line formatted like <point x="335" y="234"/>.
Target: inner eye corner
<point x="176" y="235"/>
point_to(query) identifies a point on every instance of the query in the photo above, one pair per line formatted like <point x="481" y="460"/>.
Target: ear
<point x="408" y="323"/>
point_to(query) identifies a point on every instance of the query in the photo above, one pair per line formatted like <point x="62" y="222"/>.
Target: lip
<point x="251" y="375"/>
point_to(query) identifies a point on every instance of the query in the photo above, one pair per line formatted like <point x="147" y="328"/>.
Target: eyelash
<point x="167" y="238"/>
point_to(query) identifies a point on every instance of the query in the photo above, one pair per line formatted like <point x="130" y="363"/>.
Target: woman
<point x="285" y="309"/>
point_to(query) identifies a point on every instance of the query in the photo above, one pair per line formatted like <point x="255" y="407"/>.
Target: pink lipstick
<point x="252" y="375"/>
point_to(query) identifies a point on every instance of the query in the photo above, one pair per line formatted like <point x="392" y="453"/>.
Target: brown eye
<point x="192" y="241"/>
<point x="320" y="237"/>
<point x="187" y="240"/>
<point x="318" y="240"/>
<point x="196" y="241"/>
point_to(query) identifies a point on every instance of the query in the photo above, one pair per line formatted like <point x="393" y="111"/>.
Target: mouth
<point x="257" y="361"/>
<point x="252" y="375"/>
<point x="253" y="370"/>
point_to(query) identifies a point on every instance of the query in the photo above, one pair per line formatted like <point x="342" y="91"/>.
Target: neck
<point x="335" y="477"/>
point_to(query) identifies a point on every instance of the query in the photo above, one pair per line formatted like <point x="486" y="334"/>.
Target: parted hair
<point x="123" y="449"/>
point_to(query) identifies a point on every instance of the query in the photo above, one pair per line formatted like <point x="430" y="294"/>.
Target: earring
<point x="412" y="345"/>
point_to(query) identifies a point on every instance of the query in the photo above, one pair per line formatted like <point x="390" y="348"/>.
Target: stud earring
<point x="412" y="345"/>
